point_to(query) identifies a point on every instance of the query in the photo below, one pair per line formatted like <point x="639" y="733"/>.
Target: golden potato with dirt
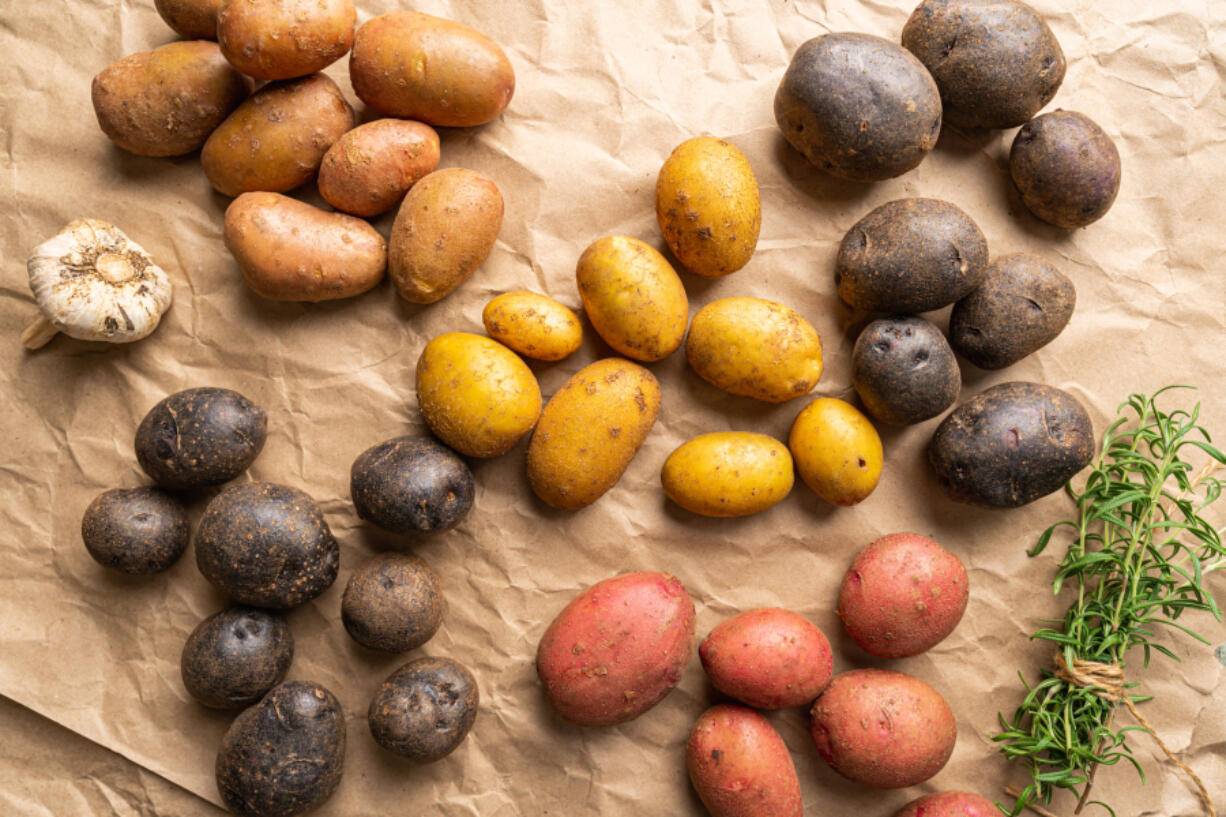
<point x="370" y="168"/>
<point x="728" y="473"/>
<point x="533" y="325"/>
<point x="837" y="451"/>
<point x="283" y="39"/>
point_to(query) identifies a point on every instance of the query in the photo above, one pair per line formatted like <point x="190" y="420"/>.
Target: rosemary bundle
<point x="1139" y="553"/>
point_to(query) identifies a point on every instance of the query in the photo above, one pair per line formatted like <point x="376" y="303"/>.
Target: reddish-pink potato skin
<point x="903" y="594"/>
<point x="769" y="659"/>
<point x="950" y="804"/>
<point x="740" y="766"/>
<point x="882" y="728"/>
<point x="617" y="649"/>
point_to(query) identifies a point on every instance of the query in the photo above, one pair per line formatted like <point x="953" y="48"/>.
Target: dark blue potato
<point x="393" y="603"/>
<point x="233" y="657"/>
<point x="904" y="371"/>
<point x="200" y="437"/>
<point x="136" y="530"/>
<point x="424" y="710"/>
<point x="1066" y="168"/>
<point x="283" y="756"/>
<point x="411" y="485"/>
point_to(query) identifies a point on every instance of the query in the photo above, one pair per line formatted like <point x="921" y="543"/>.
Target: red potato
<point x="617" y="649"/>
<point x="740" y="766"/>
<point x="903" y="594"/>
<point x="370" y="168"/>
<point x="770" y="658"/>
<point x="950" y="804"/>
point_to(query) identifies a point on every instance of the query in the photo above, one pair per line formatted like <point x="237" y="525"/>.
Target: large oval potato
<point x="1066" y="167"/>
<point x="740" y="766"/>
<point x="589" y="432"/>
<point x="190" y="19"/>
<point x="755" y="348"/>
<point x="837" y="451"/>
<point x="904" y="370"/>
<point x="633" y="297"/>
<point x="275" y="140"/>
<point x="283" y="39"/>
<point x="167" y="101"/>
<point x="728" y="473"/>
<point x="291" y="251"/>
<point x="416" y="66"/>
<point x="370" y="168"/>
<point x="200" y="437"/>
<point x="768" y="658"/>
<point x="617" y="649"/>
<point x="534" y="325"/>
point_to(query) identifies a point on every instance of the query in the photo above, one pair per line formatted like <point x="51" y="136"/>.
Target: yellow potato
<point x="728" y="473"/>
<point x="755" y="348"/>
<point x="590" y="430"/>
<point x="476" y="395"/>
<point x="633" y="297"/>
<point x="533" y="325"/>
<point x="708" y="206"/>
<point x="837" y="451"/>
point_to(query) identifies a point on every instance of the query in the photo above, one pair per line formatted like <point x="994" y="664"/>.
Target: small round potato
<point x="425" y="709"/>
<point x="950" y="804"/>
<point x="393" y="603"/>
<point x="411" y="485"/>
<point x="755" y="348"/>
<point x="190" y="19"/>
<point x="233" y="657"/>
<point x="533" y="325"/>
<point x="633" y="297"/>
<point x="1066" y="168"/>
<point x="200" y="437"/>
<point x="904" y="371"/>
<point x="370" y="168"/>
<point x="136" y="530"/>
<point x="728" y="473"/>
<point x="837" y="451"/>
<point x="476" y="395"/>
<point x="740" y="766"/>
<point x="708" y="206"/>
<point x="769" y="658"/>
<point x="283" y="39"/>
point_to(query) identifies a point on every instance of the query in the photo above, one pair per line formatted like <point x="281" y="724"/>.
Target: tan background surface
<point x="605" y="91"/>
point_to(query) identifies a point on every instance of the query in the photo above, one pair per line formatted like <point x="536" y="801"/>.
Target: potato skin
<point x="411" y="485"/>
<point x="617" y="649"/>
<point x="1066" y="168"/>
<point x="444" y="230"/>
<point x="904" y="371"/>
<point x="533" y="325"/>
<point x="235" y="656"/>
<point x="882" y="728"/>
<point x="167" y="101"/>
<point x="136" y="530"/>
<point x="200" y="437"/>
<point x="289" y="250"/>
<point x="370" y="168"/>
<point x="190" y="19"/>
<point x="837" y="451"/>
<point x="393" y="603"/>
<point x="950" y="804"/>
<point x="755" y="348"/>
<point x="283" y="39"/>
<point x="633" y="297"/>
<point x="590" y="430"/>
<point x="275" y="140"/>
<point x="470" y="80"/>
<point x="425" y="709"/>
<point x="708" y="206"/>
<point x="859" y="107"/>
<point x="728" y="473"/>
<point x="768" y="658"/>
<point x="902" y="595"/>
<point x="740" y="766"/>
<point x="1021" y="306"/>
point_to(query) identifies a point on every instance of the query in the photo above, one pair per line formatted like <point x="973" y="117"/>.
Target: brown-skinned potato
<point x="370" y="168"/>
<point x="425" y="709"/>
<point x="283" y="39"/>
<point x="235" y="656"/>
<point x="1066" y="167"/>
<point x="740" y="766"/>
<point x="190" y="19"/>
<point x="200" y="437"/>
<point x="136" y="530"/>
<point x="904" y="370"/>
<point x="393" y="603"/>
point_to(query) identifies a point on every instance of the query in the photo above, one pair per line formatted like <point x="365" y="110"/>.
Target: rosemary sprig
<point x="1139" y="553"/>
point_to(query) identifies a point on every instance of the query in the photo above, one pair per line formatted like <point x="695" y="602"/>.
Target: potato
<point x="950" y="804"/>
<point x="393" y="603"/>
<point x="425" y="709"/>
<point x="1021" y="306"/>
<point x="167" y="101"/>
<point x="469" y="82"/>
<point x="882" y="728"/>
<point x="996" y="62"/>
<point x="859" y="107"/>
<point x="708" y="206"/>
<point x="1011" y="444"/>
<point x="266" y="545"/>
<point x="739" y="765"/>
<point x="233" y="657"/>
<point x="369" y="169"/>
<point x="755" y="348"/>
<point x="533" y="325"/>
<point x="589" y="432"/>
<point x="904" y="371"/>
<point x="617" y="649"/>
<point x="200" y="437"/>
<point x="284" y="756"/>
<point x="275" y="140"/>
<point x="728" y="473"/>
<point x="769" y="658"/>
<point x="136" y="530"/>
<point x="191" y="19"/>
<point x="1066" y="168"/>
<point x="411" y="485"/>
<point x="633" y="297"/>
<point x="290" y="251"/>
<point x="283" y="39"/>
<point x="837" y="451"/>
<point x="444" y="230"/>
<point x="909" y="256"/>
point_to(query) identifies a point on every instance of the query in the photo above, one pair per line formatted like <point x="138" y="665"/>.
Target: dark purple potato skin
<point x="283" y="756"/>
<point x="860" y="107"/>
<point x="1066" y="168"/>
<point x="266" y="545"/>
<point x="411" y="485"/>
<point x="200" y="437"/>
<point x="136" y="530"/>
<point x="904" y="371"/>
<point x="909" y="256"/>
<point x="1021" y="306"/>
<point x="233" y="657"/>
<point x="996" y="62"/>
<point x="1011" y="444"/>
<point x="393" y="603"/>
<point x="424" y="710"/>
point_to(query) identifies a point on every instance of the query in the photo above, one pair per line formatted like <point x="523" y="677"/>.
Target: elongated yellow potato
<point x="837" y="451"/>
<point x="728" y="473"/>
<point x="533" y="325"/>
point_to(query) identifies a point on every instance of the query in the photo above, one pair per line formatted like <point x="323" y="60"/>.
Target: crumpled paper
<point x="604" y="92"/>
